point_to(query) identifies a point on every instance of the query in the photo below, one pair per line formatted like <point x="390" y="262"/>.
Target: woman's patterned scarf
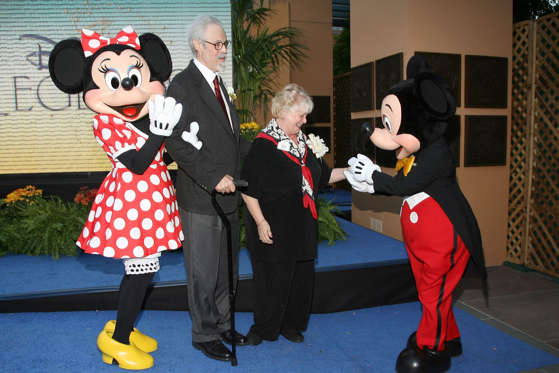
<point x="296" y="153"/>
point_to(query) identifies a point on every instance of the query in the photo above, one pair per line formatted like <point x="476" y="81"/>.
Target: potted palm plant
<point x="258" y="53"/>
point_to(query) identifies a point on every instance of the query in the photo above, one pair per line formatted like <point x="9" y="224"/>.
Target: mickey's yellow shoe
<point x="127" y="356"/>
<point x="140" y="340"/>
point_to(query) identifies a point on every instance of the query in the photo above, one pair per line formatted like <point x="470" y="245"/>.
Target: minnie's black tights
<point x="133" y="290"/>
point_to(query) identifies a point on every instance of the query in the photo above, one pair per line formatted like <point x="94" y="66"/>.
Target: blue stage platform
<point x="367" y="269"/>
<point x="21" y="274"/>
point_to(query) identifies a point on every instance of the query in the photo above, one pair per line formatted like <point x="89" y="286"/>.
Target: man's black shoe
<point x="293" y="335"/>
<point x="253" y="339"/>
<point x="214" y="350"/>
<point x="240" y="340"/>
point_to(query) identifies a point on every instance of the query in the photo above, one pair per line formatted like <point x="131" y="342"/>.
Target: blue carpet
<point x="21" y="274"/>
<point x="366" y="340"/>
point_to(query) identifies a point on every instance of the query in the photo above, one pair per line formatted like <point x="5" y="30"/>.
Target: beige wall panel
<point x="379" y="28"/>
<point x="458" y="26"/>
<point x="313" y="19"/>
<point x="319" y="11"/>
<point x="279" y="18"/>
<point x="487" y="191"/>
<point x="315" y="74"/>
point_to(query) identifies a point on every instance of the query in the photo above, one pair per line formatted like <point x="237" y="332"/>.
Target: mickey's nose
<point x="367" y="129"/>
<point x="127" y="84"/>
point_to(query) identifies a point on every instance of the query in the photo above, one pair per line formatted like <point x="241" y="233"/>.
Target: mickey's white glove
<point x="362" y="168"/>
<point x="164" y="114"/>
<point x="359" y="186"/>
<point x="191" y="137"/>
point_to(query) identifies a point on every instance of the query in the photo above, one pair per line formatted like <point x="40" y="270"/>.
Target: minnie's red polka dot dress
<point x="132" y="216"/>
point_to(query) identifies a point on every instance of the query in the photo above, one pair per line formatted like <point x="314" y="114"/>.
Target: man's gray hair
<point x="197" y="29"/>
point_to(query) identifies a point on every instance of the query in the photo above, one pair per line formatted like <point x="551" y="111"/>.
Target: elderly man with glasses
<point x="206" y="107"/>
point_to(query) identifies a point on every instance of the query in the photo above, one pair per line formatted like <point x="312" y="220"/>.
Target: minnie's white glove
<point x="359" y="186"/>
<point x="191" y="137"/>
<point x="362" y="168"/>
<point x="164" y="114"/>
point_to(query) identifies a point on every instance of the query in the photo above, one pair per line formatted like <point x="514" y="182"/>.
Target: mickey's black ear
<point x="416" y="65"/>
<point x="67" y="66"/>
<point x="157" y="56"/>
<point x="434" y="95"/>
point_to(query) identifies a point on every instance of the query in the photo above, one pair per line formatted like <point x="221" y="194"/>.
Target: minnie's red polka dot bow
<point x="92" y="41"/>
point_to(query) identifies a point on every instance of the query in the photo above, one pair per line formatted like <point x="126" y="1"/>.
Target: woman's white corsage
<point x="284" y="145"/>
<point x="316" y="144"/>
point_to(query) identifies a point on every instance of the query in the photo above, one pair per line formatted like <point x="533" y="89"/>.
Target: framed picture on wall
<point x="485" y="140"/>
<point x="389" y="71"/>
<point x="486" y="82"/>
<point x="362" y="87"/>
<point x="321" y="110"/>
<point x="449" y="67"/>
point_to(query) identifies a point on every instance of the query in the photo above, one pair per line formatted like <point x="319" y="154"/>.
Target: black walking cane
<point x="227" y="224"/>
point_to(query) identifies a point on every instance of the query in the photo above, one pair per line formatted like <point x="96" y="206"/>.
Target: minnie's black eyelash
<point x="103" y="69"/>
<point x="139" y="65"/>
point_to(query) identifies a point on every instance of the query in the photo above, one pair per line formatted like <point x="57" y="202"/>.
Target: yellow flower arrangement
<point x="249" y="130"/>
<point x="25" y="194"/>
<point x="34" y="224"/>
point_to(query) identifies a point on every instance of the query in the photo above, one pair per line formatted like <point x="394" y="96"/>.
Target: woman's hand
<point x="264" y="231"/>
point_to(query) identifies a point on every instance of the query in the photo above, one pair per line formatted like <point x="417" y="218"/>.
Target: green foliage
<point x="342" y="52"/>
<point x="328" y="227"/>
<point x="257" y="54"/>
<point x="533" y="9"/>
<point x="42" y="226"/>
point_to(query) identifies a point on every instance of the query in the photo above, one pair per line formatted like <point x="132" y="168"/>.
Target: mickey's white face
<point x="387" y="137"/>
<point x="124" y="85"/>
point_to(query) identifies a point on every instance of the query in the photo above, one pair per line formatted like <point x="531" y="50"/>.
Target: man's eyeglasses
<point x="219" y="44"/>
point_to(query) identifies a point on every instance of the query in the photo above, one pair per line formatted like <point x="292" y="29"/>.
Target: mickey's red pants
<point x="438" y="258"/>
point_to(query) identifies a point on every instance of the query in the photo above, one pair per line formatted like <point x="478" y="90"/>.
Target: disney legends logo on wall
<point x="36" y="119"/>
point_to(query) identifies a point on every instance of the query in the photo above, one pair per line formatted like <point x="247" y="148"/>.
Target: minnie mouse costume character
<point x="134" y="216"/>
<point x="439" y="228"/>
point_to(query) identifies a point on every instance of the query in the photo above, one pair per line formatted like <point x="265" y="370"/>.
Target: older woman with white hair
<point x="284" y="175"/>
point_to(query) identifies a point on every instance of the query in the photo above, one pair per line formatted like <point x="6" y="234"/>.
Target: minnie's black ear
<point x="435" y="96"/>
<point x="157" y="55"/>
<point x="67" y="66"/>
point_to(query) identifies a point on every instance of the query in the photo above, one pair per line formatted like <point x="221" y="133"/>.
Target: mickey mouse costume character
<point x="439" y="228"/>
<point x="134" y="215"/>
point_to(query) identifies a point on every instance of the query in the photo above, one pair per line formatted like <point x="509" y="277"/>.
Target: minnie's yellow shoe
<point x="127" y="356"/>
<point x="140" y="340"/>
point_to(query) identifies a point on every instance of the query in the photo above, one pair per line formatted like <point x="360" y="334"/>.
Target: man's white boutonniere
<point x="231" y="93"/>
<point x="284" y="145"/>
<point x="230" y="90"/>
<point x="316" y="144"/>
